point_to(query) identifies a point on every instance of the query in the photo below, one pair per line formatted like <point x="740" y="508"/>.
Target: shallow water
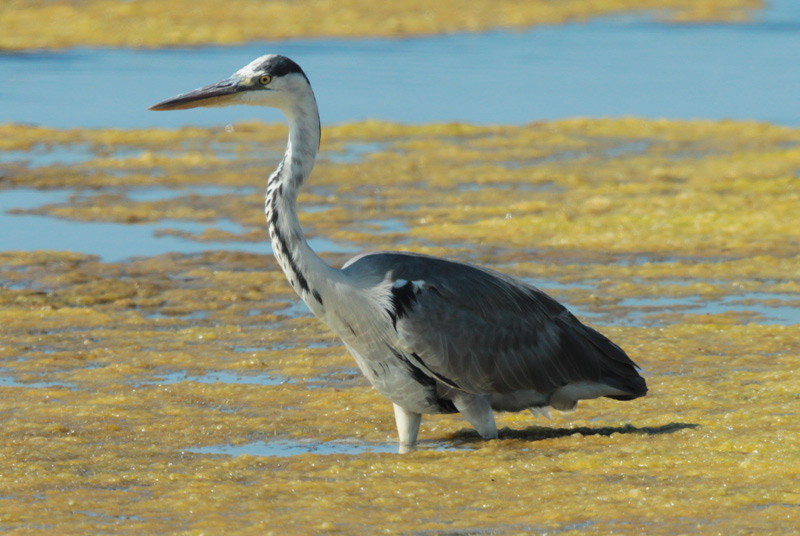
<point x="614" y="66"/>
<point x="288" y="447"/>
<point x="114" y="242"/>
<point x="159" y="194"/>
<point x="294" y="448"/>
<point x="218" y="377"/>
<point x="609" y="67"/>
<point x="766" y="308"/>
<point x="7" y="380"/>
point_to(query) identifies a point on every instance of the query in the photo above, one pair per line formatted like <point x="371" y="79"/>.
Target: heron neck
<point x="307" y="273"/>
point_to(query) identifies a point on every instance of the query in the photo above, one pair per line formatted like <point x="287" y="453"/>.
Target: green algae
<point x="598" y="212"/>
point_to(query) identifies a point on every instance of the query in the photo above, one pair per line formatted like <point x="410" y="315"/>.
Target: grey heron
<point x="430" y="334"/>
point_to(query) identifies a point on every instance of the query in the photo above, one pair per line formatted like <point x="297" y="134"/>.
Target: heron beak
<point x="218" y="94"/>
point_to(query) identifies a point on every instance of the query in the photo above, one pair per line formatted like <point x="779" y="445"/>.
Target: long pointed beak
<point x="213" y="95"/>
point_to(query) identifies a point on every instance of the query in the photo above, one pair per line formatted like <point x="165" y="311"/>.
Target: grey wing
<point x="484" y="332"/>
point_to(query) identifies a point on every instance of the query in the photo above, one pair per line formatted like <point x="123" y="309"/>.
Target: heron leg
<point x="407" y="425"/>
<point x="478" y="411"/>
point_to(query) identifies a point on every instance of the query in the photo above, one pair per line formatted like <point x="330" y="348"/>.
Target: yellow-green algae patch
<point x="113" y="374"/>
<point x="153" y="23"/>
<point x="691" y="189"/>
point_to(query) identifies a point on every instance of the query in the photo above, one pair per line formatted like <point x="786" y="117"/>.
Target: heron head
<point x="271" y="80"/>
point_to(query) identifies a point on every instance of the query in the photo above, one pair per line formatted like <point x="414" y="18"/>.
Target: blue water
<point x="286" y="447"/>
<point x="609" y="67"/>
<point x="767" y="307"/>
<point x="220" y="376"/>
<point x="7" y="380"/>
<point x="114" y="242"/>
<point x="295" y="447"/>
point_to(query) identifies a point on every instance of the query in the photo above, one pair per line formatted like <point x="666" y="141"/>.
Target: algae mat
<point x="189" y="394"/>
<point x="156" y="23"/>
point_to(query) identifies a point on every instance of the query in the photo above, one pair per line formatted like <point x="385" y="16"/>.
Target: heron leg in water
<point x="407" y="425"/>
<point x="478" y="411"/>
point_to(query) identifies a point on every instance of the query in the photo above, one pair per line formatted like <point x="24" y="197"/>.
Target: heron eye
<point x="264" y="80"/>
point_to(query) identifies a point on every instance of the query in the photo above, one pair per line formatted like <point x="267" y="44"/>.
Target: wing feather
<point x="486" y="332"/>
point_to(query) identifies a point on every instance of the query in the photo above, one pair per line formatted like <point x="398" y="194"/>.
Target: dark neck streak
<point x="307" y="273"/>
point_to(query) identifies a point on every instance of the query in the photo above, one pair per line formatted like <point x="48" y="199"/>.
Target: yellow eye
<point x="264" y="80"/>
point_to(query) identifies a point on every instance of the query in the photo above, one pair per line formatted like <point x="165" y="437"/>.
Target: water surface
<point x="112" y="241"/>
<point x="608" y="67"/>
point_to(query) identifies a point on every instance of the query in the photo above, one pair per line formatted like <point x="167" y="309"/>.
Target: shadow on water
<point x="466" y="440"/>
<point x="541" y="433"/>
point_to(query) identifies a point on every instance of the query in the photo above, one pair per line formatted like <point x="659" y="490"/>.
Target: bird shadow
<point x="540" y="433"/>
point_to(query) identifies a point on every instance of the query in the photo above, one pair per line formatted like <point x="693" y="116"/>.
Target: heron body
<point x="432" y="335"/>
